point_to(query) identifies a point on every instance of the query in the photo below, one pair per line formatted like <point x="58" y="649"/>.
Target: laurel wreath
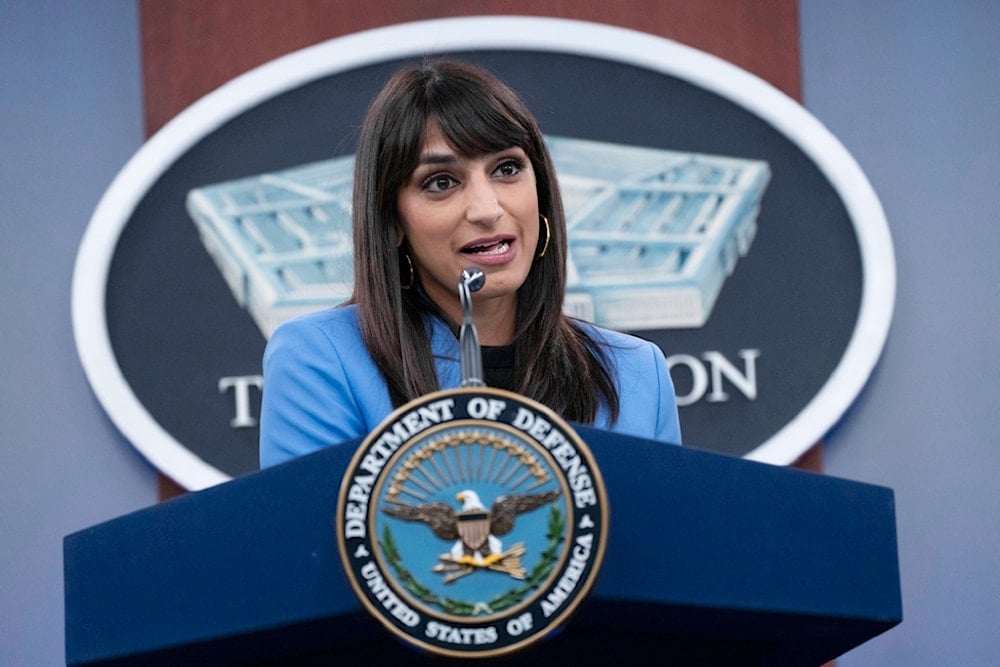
<point x="539" y="573"/>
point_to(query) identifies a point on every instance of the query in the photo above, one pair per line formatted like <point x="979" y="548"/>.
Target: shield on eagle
<point x="474" y="528"/>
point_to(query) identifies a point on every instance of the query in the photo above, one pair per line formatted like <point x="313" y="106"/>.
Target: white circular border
<point x="475" y="34"/>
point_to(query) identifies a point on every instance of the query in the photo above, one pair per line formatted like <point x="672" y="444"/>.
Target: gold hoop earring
<point x="548" y="236"/>
<point x="413" y="275"/>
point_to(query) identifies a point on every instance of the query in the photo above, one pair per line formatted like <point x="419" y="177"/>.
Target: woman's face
<point x="456" y="211"/>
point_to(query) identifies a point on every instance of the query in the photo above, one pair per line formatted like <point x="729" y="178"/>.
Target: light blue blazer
<point x="322" y="388"/>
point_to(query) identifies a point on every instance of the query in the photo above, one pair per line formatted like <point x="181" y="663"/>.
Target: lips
<point x="494" y="251"/>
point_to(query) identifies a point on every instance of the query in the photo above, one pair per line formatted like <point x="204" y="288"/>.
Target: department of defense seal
<point x="472" y="522"/>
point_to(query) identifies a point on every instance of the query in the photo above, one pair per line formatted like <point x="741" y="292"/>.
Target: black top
<point x="498" y="366"/>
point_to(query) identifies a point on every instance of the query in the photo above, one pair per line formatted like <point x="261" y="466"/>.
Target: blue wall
<point x="910" y="88"/>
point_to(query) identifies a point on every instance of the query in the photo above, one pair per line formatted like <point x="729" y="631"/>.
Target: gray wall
<point x="70" y="116"/>
<point x="913" y="90"/>
<point x="910" y="88"/>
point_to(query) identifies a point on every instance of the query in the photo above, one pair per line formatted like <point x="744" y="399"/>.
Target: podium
<point x="710" y="560"/>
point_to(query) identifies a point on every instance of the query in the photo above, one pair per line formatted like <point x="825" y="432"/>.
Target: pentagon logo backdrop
<point x="708" y="213"/>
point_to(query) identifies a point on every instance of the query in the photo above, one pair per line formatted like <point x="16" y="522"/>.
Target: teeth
<point x="491" y="249"/>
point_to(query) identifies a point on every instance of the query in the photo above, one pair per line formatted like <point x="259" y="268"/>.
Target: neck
<point x="495" y="321"/>
<point x="495" y="318"/>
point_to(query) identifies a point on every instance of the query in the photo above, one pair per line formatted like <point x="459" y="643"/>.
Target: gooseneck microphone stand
<point x="471" y="280"/>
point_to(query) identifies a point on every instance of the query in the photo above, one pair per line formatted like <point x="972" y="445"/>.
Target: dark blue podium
<point x="710" y="560"/>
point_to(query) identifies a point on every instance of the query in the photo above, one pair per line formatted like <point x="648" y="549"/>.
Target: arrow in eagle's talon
<point x="457" y="575"/>
<point x="514" y="572"/>
<point x="449" y="567"/>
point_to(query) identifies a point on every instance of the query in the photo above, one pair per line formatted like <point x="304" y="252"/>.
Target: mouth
<point x="494" y="247"/>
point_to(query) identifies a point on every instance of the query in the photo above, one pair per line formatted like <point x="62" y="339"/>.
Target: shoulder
<point x="340" y="318"/>
<point x="321" y="386"/>
<point x="642" y="378"/>
<point x="635" y="364"/>
<point x="325" y="339"/>
<point x="330" y="326"/>
<point x="619" y="347"/>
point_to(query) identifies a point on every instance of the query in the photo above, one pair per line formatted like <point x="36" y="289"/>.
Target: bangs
<point x="477" y="117"/>
<point x="473" y="130"/>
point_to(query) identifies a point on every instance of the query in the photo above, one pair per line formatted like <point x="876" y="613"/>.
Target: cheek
<point x="427" y="234"/>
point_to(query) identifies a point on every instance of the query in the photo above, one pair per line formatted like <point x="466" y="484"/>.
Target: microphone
<point x="471" y="280"/>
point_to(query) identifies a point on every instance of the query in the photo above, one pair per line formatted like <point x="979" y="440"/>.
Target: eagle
<point x="474" y="528"/>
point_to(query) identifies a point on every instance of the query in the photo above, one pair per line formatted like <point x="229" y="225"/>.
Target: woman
<point x="451" y="171"/>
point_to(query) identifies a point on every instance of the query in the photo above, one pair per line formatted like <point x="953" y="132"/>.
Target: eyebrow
<point x="437" y="158"/>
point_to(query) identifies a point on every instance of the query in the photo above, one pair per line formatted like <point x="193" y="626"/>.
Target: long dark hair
<point x="555" y="361"/>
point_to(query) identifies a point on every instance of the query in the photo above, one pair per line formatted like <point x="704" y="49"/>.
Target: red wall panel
<point x="190" y="47"/>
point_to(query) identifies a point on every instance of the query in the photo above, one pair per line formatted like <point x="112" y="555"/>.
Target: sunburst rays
<point x="465" y="458"/>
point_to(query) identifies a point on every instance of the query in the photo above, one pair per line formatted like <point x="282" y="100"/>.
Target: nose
<point x="482" y="205"/>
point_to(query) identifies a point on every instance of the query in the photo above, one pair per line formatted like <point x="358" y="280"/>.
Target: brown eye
<point x="508" y="168"/>
<point x="438" y="183"/>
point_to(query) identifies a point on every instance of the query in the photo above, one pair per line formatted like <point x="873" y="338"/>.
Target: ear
<point x="399" y="235"/>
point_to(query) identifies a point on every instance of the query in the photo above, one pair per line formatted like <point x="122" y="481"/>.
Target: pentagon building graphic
<point x="653" y="234"/>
